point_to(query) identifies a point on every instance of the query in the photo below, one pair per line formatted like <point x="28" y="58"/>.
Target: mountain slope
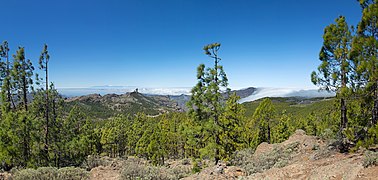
<point x="109" y="105"/>
<point x="299" y="107"/>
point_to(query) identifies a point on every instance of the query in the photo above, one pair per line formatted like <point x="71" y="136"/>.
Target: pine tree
<point x="73" y="150"/>
<point x="135" y="132"/>
<point x="170" y="126"/>
<point x="365" y="53"/>
<point x="43" y="65"/>
<point x="51" y="155"/>
<point x="282" y="130"/>
<point x="334" y="73"/>
<point x="11" y="151"/>
<point x="262" y="121"/>
<point x="232" y="123"/>
<point x="7" y="98"/>
<point x="22" y="73"/>
<point x="207" y="105"/>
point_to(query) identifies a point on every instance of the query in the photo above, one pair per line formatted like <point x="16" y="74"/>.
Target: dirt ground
<point x="108" y="173"/>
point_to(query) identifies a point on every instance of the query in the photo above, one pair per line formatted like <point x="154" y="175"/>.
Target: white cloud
<point x="285" y="92"/>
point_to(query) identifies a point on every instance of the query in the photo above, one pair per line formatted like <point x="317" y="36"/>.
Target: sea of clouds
<point x="285" y="92"/>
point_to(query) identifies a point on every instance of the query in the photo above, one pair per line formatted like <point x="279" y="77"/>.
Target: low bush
<point x="95" y="161"/>
<point x="71" y="173"/>
<point x="278" y="157"/>
<point x="134" y="168"/>
<point x="27" y="174"/>
<point x="239" y="158"/>
<point x="51" y="173"/>
<point x="370" y="159"/>
<point x="322" y="152"/>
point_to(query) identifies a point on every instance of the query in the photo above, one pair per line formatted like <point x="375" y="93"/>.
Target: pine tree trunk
<point x="217" y="142"/>
<point x="9" y="95"/>
<point x="25" y="143"/>
<point x="343" y="110"/>
<point x="344" y="120"/>
<point x="375" y="107"/>
<point x="25" y="93"/>
<point x="216" y="118"/>
<point x="374" y="33"/>
<point x="268" y="133"/>
<point x="46" y="148"/>
<point x="56" y="151"/>
<point x="26" y="133"/>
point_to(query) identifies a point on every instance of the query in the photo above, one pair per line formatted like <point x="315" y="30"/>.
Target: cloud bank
<point x="285" y="92"/>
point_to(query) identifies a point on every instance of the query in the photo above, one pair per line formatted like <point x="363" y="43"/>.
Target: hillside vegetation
<point x="110" y="105"/>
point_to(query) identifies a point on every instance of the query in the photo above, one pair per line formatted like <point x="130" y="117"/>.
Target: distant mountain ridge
<point x="103" y="90"/>
<point x="133" y="102"/>
<point x="104" y="106"/>
<point x="107" y="105"/>
<point x="170" y="99"/>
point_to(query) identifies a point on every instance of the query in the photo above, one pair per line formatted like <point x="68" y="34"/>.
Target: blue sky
<point x="152" y="43"/>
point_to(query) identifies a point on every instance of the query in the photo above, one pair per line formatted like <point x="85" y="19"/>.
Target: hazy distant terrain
<point x="285" y="92"/>
<point x="162" y="99"/>
<point x="105" y="106"/>
<point x="102" y="90"/>
<point x="110" y="101"/>
<point x="181" y="94"/>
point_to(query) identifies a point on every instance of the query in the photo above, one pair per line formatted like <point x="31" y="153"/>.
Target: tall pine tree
<point x="215" y="122"/>
<point x="43" y="65"/>
<point x="365" y="54"/>
<point x="22" y="73"/>
<point x="336" y="68"/>
<point x="7" y="98"/>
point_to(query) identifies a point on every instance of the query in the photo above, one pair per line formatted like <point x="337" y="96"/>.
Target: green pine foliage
<point x="349" y="67"/>
<point x="335" y="72"/>
<point x="214" y="120"/>
<point x="232" y="124"/>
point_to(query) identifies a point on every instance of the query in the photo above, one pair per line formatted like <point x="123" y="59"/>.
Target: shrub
<point x="51" y="173"/>
<point x="321" y="153"/>
<point x="180" y="172"/>
<point x="70" y="173"/>
<point x="278" y="157"/>
<point x="239" y="158"/>
<point x="370" y="159"/>
<point x="95" y="161"/>
<point x="135" y="168"/>
<point x="140" y="171"/>
<point x="47" y="172"/>
<point x="43" y="173"/>
<point x="26" y="174"/>
<point x="327" y="134"/>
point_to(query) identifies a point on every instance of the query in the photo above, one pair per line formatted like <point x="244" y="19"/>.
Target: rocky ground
<point x="312" y="158"/>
